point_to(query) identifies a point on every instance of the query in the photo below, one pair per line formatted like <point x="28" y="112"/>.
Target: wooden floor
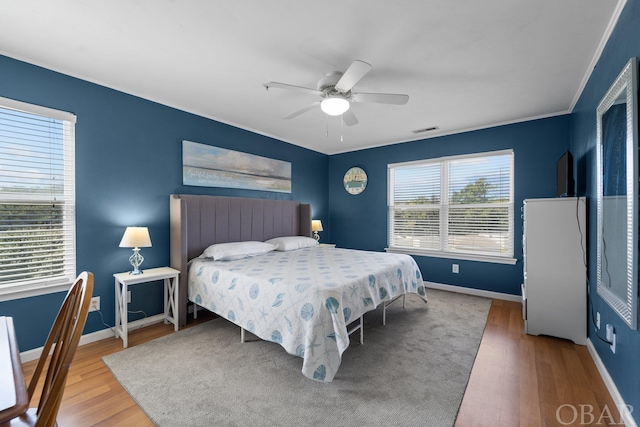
<point x="517" y="380"/>
<point x="524" y="380"/>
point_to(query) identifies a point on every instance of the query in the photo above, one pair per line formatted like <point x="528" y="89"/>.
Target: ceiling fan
<point x="335" y="90"/>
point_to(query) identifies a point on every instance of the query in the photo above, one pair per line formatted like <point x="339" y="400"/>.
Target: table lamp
<point x="316" y="225"/>
<point x="136" y="238"/>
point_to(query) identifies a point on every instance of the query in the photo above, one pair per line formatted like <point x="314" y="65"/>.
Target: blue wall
<point x="624" y="43"/>
<point x="360" y="222"/>
<point x="121" y="138"/>
<point x="128" y="162"/>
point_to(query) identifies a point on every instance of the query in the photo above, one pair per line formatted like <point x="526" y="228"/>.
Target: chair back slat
<point x="60" y="348"/>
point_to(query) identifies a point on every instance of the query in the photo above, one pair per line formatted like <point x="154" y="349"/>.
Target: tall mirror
<point x="617" y="197"/>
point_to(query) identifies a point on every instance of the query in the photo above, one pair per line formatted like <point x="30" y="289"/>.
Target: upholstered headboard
<point x="200" y="221"/>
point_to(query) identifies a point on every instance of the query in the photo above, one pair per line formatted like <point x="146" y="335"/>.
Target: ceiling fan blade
<point x="356" y="71"/>
<point x="269" y="85"/>
<point x="302" y="110"/>
<point x="349" y="118"/>
<point x="380" y="98"/>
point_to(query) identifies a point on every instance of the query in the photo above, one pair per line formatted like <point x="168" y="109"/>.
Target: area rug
<point x="411" y="372"/>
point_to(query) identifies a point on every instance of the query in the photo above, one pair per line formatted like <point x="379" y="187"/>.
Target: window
<point x="456" y="207"/>
<point x="37" y="199"/>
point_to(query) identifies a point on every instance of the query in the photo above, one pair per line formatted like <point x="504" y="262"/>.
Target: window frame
<point x="444" y="207"/>
<point x="51" y="284"/>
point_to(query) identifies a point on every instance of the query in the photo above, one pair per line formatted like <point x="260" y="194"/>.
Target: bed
<point x="307" y="300"/>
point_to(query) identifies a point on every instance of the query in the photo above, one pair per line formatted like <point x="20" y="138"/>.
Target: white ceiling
<point x="465" y="64"/>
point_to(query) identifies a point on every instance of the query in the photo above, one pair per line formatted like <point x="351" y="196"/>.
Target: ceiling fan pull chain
<point x="327" y="123"/>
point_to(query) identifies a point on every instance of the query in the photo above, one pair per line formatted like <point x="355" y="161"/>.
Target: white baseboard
<point x="472" y="291"/>
<point x="34" y="354"/>
<point x="611" y="386"/>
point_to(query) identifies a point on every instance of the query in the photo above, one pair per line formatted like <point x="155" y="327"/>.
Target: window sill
<point x="31" y="290"/>
<point x="451" y="255"/>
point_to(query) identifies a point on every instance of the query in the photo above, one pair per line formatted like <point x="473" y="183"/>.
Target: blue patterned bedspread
<point x="304" y="299"/>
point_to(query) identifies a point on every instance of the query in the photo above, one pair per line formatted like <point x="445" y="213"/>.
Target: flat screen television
<point x="565" y="185"/>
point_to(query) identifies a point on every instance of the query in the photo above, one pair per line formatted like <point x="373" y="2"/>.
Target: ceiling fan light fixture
<point x="334" y="106"/>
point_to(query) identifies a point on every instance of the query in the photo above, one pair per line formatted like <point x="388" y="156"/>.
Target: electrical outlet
<point x="611" y="337"/>
<point x="597" y="320"/>
<point x="128" y="297"/>
<point x="95" y="304"/>
<point x="455" y="268"/>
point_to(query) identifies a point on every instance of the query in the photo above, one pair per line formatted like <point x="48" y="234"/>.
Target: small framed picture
<point x="355" y="180"/>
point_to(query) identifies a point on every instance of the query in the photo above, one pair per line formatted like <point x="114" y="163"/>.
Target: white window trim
<point x="510" y="260"/>
<point x="47" y="285"/>
<point x="37" y="109"/>
<point x="32" y="289"/>
<point x="454" y="255"/>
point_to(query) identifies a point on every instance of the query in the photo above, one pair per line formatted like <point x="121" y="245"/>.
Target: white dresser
<point x="554" y="291"/>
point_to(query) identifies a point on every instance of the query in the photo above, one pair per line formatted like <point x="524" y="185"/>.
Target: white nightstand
<point x="122" y="282"/>
<point x="327" y="245"/>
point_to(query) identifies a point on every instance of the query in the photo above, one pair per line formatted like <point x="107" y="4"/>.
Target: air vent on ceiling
<point x="425" y="129"/>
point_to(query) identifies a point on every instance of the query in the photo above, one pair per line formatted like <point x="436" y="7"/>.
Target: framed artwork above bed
<point x="208" y="166"/>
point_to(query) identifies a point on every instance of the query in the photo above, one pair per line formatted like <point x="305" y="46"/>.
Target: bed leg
<point x="384" y="313"/>
<point x="195" y="311"/>
<point x="241" y="335"/>
<point x="361" y="330"/>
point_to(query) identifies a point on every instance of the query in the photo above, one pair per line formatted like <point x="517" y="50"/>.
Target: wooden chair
<point x="61" y="344"/>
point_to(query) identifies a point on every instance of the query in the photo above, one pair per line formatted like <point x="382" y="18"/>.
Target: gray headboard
<point x="200" y="221"/>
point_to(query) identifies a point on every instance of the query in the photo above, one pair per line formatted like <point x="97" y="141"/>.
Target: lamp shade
<point x="136" y="237"/>
<point x="334" y="106"/>
<point x="316" y="225"/>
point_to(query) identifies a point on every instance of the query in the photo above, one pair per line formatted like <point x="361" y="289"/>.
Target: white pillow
<point x="290" y="243"/>
<point x="236" y="250"/>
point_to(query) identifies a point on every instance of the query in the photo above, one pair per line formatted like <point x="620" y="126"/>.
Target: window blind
<point x="480" y="205"/>
<point x="453" y="205"/>
<point x="37" y="196"/>
<point x="415" y="211"/>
